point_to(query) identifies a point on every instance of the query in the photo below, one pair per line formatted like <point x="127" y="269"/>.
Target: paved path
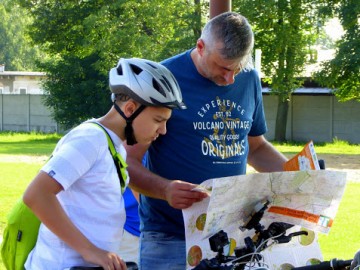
<point x="348" y="163"/>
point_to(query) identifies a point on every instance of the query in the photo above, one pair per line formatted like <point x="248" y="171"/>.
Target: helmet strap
<point x="129" y="131"/>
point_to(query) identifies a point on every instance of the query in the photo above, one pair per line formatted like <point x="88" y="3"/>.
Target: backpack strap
<point x="119" y="162"/>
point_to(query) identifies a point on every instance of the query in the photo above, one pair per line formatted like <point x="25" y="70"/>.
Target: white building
<point x="20" y="82"/>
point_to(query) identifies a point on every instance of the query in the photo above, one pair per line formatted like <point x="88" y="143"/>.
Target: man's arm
<point x="263" y="156"/>
<point x="178" y="194"/>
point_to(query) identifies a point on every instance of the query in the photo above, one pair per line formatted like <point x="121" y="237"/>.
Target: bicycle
<point x="250" y="258"/>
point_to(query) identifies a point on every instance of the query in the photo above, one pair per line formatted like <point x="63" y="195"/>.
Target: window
<point x="23" y="90"/>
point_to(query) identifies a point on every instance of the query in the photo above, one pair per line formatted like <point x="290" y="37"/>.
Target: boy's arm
<point x="40" y="197"/>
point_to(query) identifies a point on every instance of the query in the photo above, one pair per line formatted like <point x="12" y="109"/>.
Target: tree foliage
<point x="86" y="38"/>
<point x="284" y="31"/>
<point x="16" y="50"/>
<point x="76" y="90"/>
<point x="343" y="72"/>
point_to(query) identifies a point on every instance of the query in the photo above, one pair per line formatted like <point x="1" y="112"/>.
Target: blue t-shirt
<point x="207" y="140"/>
<point x="132" y="224"/>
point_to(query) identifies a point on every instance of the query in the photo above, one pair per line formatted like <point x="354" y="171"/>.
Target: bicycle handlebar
<point x="333" y="264"/>
<point x="86" y="268"/>
<point x="129" y="265"/>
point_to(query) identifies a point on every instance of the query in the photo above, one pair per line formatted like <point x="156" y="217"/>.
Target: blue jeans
<point x="161" y="251"/>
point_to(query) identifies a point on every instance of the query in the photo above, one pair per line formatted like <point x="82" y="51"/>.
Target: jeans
<point x="161" y="251"/>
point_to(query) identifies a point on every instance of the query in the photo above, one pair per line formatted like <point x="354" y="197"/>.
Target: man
<point x="220" y="132"/>
<point x="77" y="194"/>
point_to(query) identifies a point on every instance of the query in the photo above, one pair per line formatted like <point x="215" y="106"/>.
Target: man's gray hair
<point x="234" y="32"/>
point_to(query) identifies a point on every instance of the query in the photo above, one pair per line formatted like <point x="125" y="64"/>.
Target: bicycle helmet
<point x="147" y="82"/>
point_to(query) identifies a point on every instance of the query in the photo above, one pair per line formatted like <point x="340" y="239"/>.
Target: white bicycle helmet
<point x="147" y="82"/>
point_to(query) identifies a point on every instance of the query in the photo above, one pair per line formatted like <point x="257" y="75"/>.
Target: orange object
<point x="305" y="160"/>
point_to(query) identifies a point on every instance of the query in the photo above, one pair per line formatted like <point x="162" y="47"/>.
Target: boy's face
<point x="150" y="123"/>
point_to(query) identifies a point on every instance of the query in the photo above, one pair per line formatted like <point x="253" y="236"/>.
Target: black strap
<point x="129" y="132"/>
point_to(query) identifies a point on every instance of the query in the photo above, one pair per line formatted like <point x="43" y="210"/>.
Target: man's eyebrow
<point x="230" y="69"/>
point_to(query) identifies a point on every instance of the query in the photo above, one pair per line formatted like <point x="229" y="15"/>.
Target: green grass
<point x="14" y="179"/>
<point x="344" y="238"/>
<point x="342" y="242"/>
<point x="34" y="144"/>
<point x="336" y="147"/>
<point x="16" y="175"/>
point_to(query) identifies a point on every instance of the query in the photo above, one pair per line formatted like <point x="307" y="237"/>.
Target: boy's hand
<point x="107" y="260"/>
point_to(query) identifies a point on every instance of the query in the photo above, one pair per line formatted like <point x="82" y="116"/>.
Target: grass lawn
<point x="337" y="147"/>
<point x="33" y="144"/>
<point x="342" y="242"/>
<point x="14" y="179"/>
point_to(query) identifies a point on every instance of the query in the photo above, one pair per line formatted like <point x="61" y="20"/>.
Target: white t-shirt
<point x="83" y="165"/>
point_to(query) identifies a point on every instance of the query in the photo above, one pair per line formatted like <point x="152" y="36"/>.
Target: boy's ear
<point x="130" y="107"/>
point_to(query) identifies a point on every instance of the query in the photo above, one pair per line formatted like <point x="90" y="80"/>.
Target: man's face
<point x="217" y="69"/>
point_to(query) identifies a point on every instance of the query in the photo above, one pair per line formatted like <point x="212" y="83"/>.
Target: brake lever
<point x="282" y="239"/>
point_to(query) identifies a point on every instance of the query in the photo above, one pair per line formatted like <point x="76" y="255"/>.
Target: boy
<point x="77" y="194"/>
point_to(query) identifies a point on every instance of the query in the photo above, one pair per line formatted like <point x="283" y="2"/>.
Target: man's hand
<point x="180" y="194"/>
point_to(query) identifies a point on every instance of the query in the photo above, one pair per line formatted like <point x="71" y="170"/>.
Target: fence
<point x="320" y="118"/>
<point x="25" y="113"/>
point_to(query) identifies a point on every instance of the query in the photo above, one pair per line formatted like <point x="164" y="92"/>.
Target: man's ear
<point x="200" y="46"/>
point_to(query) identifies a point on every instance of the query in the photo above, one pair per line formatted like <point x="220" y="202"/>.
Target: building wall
<point x="30" y="83"/>
<point x="16" y="82"/>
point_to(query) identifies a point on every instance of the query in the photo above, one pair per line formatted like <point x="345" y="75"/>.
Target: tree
<point x="77" y="91"/>
<point x="86" y="38"/>
<point x="16" y="50"/>
<point x="284" y="30"/>
<point x="342" y="72"/>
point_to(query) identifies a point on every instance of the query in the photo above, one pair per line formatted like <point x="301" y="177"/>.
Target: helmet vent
<point x="151" y="65"/>
<point x="167" y="83"/>
<point x="158" y="87"/>
<point x="136" y="69"/>
<point x="120" y="70"/>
